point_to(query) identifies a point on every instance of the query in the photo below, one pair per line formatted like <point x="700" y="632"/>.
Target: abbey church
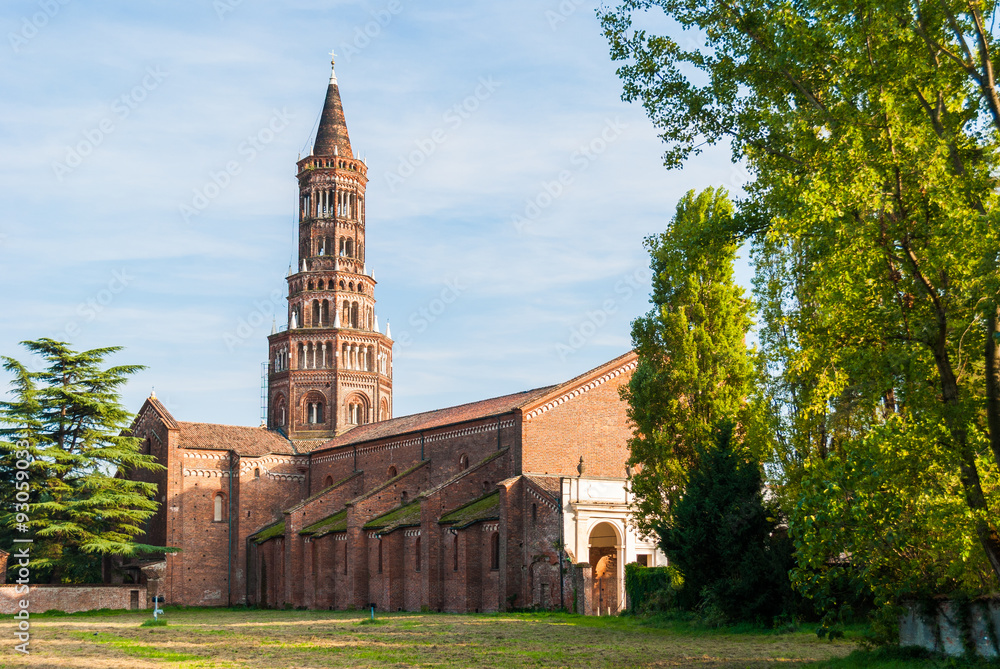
<point x="511" y="502"/>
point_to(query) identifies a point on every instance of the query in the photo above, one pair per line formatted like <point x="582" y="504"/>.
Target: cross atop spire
<point x="333" y="72"/>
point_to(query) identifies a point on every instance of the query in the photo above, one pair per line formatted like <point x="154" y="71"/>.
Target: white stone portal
<point x="596" y="523"/>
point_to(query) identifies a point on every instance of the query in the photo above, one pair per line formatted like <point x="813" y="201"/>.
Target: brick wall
<point x="539" y="553"/>
<point x="592" y="424"/>
<point x="73" y="598"/>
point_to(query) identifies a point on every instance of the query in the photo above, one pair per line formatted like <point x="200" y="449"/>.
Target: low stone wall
<point x="953" y="627"/>
<point x="73" y="598"/>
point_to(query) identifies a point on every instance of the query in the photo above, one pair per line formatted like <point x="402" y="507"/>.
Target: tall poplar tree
<point x="67" y="419"/>
<point x="694" y="369"/>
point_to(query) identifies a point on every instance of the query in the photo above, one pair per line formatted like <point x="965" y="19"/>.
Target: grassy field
<point x="292" y="639"/>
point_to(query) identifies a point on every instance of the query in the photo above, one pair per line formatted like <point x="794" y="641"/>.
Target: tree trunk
<point x="971" y="484"/>
<point x="993" y="381"/>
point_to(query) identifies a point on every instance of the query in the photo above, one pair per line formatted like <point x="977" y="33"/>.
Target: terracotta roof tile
<point x="246" y="441"/>
<point x="439" y="418"/>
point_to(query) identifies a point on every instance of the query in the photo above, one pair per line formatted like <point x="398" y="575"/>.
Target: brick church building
<point x="514" y="501"/>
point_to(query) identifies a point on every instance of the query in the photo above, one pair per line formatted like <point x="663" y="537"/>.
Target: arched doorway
<point x="604" y="548"/>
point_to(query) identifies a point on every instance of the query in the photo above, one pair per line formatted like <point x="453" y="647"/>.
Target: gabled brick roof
<point x="439" y="418"/>
<point x="548" y="484"/>
<point x="161" y="410"/>
<point x="579" y="384"/>
<point x="246" y="441"/>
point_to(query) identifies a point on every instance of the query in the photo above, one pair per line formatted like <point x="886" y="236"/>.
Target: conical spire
<point x="331" y="137"/>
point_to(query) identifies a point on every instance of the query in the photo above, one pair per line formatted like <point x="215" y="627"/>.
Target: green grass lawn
<point x="237" y="638"/>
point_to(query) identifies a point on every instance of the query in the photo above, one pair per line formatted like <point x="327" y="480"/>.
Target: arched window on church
<point x="534" y="513"/>
<point x="256" y="472"/>
<point x="392" y="472"/>
<point x="463" y="462"/>
<point x="219" y="507"/>
<point x="416" y="549"/>
<point x="495" y="550"/>
<point x="454" y="550"/>
<point x="328" y="482"/>
<point x="380" y="555"/>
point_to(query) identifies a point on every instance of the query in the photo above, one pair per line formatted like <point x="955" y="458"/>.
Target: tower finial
<point x="333" y="72"/>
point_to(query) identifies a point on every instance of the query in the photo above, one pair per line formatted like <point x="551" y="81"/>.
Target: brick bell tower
<point x="331" y="368"/>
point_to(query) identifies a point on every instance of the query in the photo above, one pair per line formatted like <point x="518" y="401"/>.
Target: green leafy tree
<point x="871" y="134"/>
<point x="694" y="369"/>
<point x="67" y="423"/>
<point x="724" y="537"/>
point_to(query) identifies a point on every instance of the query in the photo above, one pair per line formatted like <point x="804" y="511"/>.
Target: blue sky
<point x="147" y="151"/>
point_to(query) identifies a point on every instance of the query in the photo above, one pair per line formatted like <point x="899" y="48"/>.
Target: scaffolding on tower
<point x="264" y="369"/>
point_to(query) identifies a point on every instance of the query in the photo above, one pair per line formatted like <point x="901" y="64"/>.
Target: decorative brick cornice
<point x="544" y="499"/>
<point x="207" y="455"/>
<point x="411" y="533"/>
<point x="207" y="473"/>
<point x="413" y="441"/>
<point x="491" y="527"/>
<point x="247" y="465"/>
<point x="575" y="392"/>
<point x="286" y="477"/>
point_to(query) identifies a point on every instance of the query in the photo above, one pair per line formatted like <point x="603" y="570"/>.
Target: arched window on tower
<point x="220" y="499"/>
<point x="354" y="314"/>
<point x="345" y="317"/>
<point x="315" y="314"/>
<point x="325" y="313"/>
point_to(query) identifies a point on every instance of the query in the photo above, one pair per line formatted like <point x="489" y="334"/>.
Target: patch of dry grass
<point x="222" y="638"/>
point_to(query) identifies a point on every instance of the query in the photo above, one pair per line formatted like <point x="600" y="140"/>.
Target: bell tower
<point x="330" y="369"/>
